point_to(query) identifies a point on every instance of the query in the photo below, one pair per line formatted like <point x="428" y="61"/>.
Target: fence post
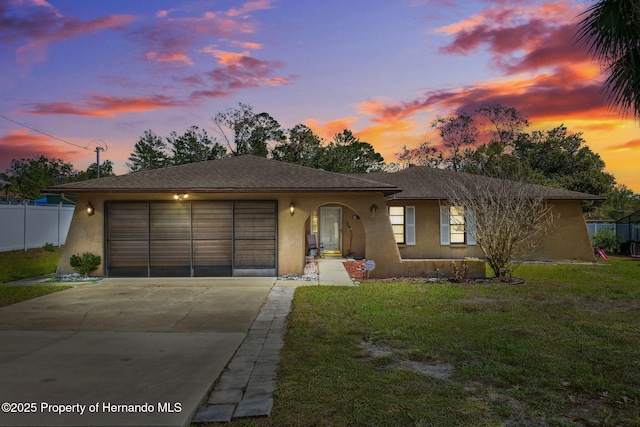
<point x="59" y="216"/>
<point x="24" y="234"/>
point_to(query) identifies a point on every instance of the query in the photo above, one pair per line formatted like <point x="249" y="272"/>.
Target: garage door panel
<point x="128" y="258"/>
<point x="212" y="253"/>
<point x="212" y="220"/>
<point x="255" y="221"/>
<point x="170" y="221"/>
<point x="255" y="254"/>
<point x="128" y="253"/>
<point x="128" y="221"/>
<point x="192" y="238"/>
<point x="170" y="258"/>
<point x="170" y="253"/>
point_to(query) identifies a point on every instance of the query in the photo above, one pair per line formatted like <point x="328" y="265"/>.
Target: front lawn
<point x="563" y="349"/>
<point x="11" y="294"/>
<point x="15" y="265"/>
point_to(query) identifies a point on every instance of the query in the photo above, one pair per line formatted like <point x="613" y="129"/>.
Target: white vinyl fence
<point x="27" y="226"/>
<point x="594" y="227"/>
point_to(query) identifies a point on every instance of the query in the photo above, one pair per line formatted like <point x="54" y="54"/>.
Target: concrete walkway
<point x="247" y="385"/>
<point x="332" y="272"/>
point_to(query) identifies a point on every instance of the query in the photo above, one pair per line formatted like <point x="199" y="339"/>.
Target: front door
<point x="331" y="230"/>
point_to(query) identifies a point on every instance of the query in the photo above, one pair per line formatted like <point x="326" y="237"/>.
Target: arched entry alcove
<point x="338" y="229"/>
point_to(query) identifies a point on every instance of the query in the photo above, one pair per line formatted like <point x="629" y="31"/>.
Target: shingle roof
<point x="257" y="174"/>
<point x="234" y="174"/>
<point x="425" y="183"/>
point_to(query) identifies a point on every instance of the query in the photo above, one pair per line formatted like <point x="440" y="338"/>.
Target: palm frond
<point x="611" y="30"/>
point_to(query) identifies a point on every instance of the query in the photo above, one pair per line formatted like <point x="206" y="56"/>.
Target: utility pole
<point x="98" y="150"/>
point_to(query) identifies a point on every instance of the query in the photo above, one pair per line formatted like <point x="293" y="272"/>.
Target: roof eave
<point x="385" y="190"/>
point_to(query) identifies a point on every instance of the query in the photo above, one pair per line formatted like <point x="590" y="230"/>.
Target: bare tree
<point x="424" y="155"/>
<point x="507" y="219"/>
<point x="457" y="133"/>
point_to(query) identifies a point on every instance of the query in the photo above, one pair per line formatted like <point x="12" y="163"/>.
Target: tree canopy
<point x="28" y="177"/>
<point x="303" y="147"/>
<point x="347" y="153"/>
<point x="195" y="145"/>
<point x="150" y="152"/>
<point x="244" y="132"/>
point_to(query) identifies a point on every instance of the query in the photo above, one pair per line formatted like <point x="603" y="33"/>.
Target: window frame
<point x="408" y="224"/>
<point x="457" y="219"/>
<point x="394" y="224"/>
<point x="446" y="227"/>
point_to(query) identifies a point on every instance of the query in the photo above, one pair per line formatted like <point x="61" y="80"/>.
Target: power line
<point x="85" y="147"/>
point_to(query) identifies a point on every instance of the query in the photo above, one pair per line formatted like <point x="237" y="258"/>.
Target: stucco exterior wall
<point x="428" y="235"/>
<point x="569" y="241"/>
<point x="87" y="233"/>
<point x="372" y="234"/>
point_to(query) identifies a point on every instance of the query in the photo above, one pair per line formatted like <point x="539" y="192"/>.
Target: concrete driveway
<point x="122" y="351"/>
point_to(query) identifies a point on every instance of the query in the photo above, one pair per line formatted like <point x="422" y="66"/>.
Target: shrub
<point x="49" y="247"/>
<point x="86" y="263"/>
<point x="459" y="274"/>
<point x="607" y="240"/>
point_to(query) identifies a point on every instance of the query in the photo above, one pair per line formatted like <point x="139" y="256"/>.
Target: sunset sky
<point x="104" y="71"/>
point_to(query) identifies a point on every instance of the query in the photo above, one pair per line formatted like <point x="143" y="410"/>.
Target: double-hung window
<point x="403" y="224"/>
<point x="456" y="227"/>
<point x="397" y="217"/>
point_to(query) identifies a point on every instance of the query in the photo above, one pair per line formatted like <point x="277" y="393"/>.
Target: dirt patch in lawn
<point x="396" y="359"/>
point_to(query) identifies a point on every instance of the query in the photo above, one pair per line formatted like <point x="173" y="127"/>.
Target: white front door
<point x="331" y="230"/>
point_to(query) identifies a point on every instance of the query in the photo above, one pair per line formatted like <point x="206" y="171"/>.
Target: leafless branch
<point x="508" y="219"/>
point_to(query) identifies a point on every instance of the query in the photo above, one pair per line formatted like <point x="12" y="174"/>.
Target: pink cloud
<point x="239" y="71"/>
<point x="547" y="75"/>
<point x="246" y="71"/>
<point x="19" y="144"/>
<point x="35" y="24"/>
<point x="250" y="6"/>
<point x="172" y="39"/>
<point x="224" y="57"/>
<point x="560" y="95"/>
<point x="246" y="45"/>
<point x="521" y="38"/>
<point x="169" y="57"/>
<point x="634" y="144"/>
<point x="327" y="130"/>
<point x="106" y="106"/>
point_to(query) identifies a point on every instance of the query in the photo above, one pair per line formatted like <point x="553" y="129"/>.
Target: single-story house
<point x="252" y="216"/>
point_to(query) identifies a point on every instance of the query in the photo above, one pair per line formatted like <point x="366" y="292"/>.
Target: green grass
<point x="15" y="293"/>
<point x="15" y="265"/>
<point x="563" y="349"/>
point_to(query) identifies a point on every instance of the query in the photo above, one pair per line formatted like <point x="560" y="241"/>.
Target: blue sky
<point x="106" y="71"/>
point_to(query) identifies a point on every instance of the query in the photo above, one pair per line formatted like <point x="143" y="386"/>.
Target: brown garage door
<point x="158" y="239"/>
